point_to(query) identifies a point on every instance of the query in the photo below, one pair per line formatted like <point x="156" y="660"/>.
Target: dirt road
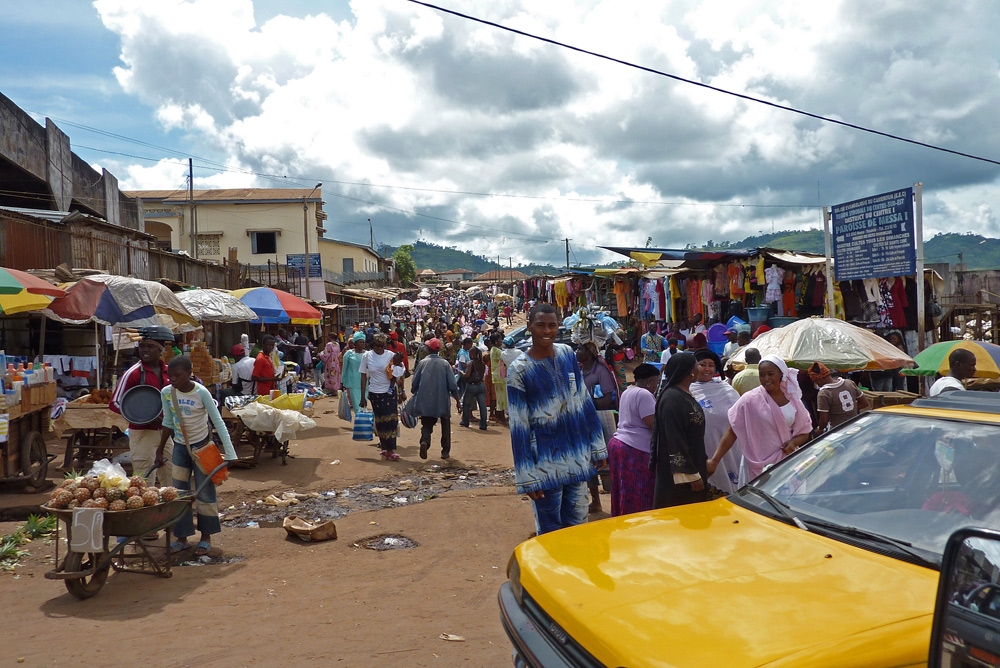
<point x="296" y="604"/>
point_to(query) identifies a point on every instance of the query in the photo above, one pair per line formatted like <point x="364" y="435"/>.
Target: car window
<point x="910" y="478"/>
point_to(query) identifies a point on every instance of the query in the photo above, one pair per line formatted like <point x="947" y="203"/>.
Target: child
<point x="195" y="408"/>
<point x="396" y="371"/>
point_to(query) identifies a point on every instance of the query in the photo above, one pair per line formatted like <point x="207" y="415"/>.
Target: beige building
<point x="262" y="224"/>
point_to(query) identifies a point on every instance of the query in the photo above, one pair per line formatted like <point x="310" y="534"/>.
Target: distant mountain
<point x="442" y="258"/>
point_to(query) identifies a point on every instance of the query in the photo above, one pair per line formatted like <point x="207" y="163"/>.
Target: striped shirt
<point x="554" y="430"/>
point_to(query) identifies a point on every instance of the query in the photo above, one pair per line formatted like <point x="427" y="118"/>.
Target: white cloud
<point x="406" y="96"/>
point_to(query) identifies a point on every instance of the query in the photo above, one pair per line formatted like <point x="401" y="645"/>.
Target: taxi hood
<point x="717" y="584"/>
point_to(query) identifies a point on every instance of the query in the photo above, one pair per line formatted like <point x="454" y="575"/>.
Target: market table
<point x="23" y="455"/>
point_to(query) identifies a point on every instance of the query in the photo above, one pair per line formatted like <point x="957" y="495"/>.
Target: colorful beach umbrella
<point x="277" y="306"/>
<point x="934" y="359"/>
<point x="839" y="345"/>
<point x="14" y="281"/>
<point x="121" y="301"/>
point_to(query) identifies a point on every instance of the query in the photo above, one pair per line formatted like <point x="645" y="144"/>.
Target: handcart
<point x="92" y="432"/>
<point x="86" y="572"/>
<point x="257" y="442"/>
<point x="23" y="455"/>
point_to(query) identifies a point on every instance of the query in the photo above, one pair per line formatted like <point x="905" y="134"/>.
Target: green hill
<point x="442" y="258"/>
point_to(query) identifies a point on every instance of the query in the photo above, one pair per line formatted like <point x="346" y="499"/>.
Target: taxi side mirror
<point x="966" y="630"/>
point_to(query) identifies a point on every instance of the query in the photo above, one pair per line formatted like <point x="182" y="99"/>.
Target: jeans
<point x="561" y="507"/>
<point x="474" y="392"/>
<point x="206" y="505"/>
<point x="427" y="426"/>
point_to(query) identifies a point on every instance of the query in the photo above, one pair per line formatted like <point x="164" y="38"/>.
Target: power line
<point x="700" y="84"/>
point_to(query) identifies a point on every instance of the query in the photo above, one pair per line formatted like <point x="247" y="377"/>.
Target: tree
<point x="406" y="269"/>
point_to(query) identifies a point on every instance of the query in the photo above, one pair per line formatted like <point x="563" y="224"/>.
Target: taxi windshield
<point x="897" y="484"/>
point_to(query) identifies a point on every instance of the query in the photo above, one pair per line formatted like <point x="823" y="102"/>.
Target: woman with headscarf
<point x="350" y="374"/>
<point x="603" y="390"/>
<point x="677" y="456"/>
<point x="628" y="450"/>
<point x="716" y="397"/>
<point x="770" y="421"/>
<point x="331" y="365"/>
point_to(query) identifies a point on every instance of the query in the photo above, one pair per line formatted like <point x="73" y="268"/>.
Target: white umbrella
<point x="215" y="305"/>
<point x="839" y="345"/>
<point x="402" y="303"/>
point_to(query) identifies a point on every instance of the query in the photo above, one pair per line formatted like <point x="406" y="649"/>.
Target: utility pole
<point x="371" y="230"/>
<point x="510" y="264"/>
<point x="567" y="254"/>
<point x="305" y="238"/>
<point x="191" y="231"/>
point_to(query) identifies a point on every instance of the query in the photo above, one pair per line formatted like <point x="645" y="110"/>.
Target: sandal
<point x="203" y="547"/>
<point x="179" y="546"/>
<point x="390" y="455"/>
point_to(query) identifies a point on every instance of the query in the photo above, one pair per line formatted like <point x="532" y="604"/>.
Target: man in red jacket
<point x="143" y="439"/>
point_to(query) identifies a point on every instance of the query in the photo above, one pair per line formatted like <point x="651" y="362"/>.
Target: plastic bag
<point x="344" y="406"/>
<point x="364" y="426"/>
<point x="284" y="424"/>
<point x="110" y="474"/>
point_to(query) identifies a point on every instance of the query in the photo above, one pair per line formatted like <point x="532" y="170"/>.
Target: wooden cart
<point x="92" y="432"/>
<point x="24" y="455"/>
<point x="250" y="444"/>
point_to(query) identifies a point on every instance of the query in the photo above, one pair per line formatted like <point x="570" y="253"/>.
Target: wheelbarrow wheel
<point x="34" y="459"/>
<point x="88" y="586"/>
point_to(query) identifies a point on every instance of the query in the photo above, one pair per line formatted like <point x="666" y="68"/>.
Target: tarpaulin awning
<point x="215" y="306"/>
<point x="123" y="301"/>
<point x="684" y="258"/>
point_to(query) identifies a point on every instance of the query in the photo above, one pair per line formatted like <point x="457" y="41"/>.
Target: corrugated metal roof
<point x="230" y="195"/>
<point x="45" y="214"/>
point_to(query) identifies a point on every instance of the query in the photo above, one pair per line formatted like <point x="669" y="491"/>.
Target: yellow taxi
<point x="829" y="558"/>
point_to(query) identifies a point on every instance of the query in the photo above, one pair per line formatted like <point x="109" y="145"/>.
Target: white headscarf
<point x="789" y="377"/>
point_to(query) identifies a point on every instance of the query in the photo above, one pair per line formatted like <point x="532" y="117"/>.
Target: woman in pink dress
<point x="331" y="366"/>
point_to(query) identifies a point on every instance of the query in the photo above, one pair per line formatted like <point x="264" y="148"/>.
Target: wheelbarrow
<point x="86" y="572"/>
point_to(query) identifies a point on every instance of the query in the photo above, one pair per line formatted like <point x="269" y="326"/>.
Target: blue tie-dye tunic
<point x="554" y="429"/>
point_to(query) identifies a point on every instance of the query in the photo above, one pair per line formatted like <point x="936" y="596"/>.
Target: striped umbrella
<point x="934" y="359"/>
<point x="277" y="306"/>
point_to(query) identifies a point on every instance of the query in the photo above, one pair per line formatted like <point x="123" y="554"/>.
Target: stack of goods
<point x="110" y="493"/>
<point x="100" y="397"/>
<point x="203" y="366"/>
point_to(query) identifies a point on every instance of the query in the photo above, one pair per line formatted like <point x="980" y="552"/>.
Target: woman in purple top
<point x="628" y="452"/>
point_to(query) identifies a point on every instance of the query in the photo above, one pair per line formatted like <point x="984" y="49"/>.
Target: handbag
<point x="344" y="406"/>
<point x="206" y="457"/>
<point x="364" y="426"/>
<point x="408" y="414"/>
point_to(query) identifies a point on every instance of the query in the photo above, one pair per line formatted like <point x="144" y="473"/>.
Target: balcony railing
<point x="349" y="277"/>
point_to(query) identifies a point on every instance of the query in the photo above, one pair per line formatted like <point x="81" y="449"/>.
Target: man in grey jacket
<point x="433" y="382"/>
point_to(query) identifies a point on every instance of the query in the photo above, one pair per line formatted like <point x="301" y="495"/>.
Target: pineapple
<point x="115" y="494"/>
<point x="100" y="502"/>
<point x="81" y="494"/>
<point x="99" y="493"/>
<point x="72" y="504"/>
<point x="132" y="491"/>
<point x="168" y="493"/>
<point x="134" y="502"/>
<point x="62" y="499"/>
<point x="150" y="497"/>
<point x="116" y="505"/>
<point x="137" y="481"/>
<point x="90" y="483"/>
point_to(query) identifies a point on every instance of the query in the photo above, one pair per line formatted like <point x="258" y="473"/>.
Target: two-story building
<point x="456" y="275"/>
<point x="263" y="225"/>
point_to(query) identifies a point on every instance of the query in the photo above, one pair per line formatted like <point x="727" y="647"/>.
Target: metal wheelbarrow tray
<point x="86" y="572"/>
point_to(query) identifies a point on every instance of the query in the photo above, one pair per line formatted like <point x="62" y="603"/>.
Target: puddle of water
<point x="387" y="541"/>
<point x="388" y="493"/>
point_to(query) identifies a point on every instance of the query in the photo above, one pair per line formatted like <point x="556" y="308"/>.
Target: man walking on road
<point x="554" y="429"/>
<point x="433" y="382"/>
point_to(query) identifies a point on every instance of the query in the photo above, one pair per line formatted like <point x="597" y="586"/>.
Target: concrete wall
<point x="334" y="253"/>
<point x="71" y="184"/>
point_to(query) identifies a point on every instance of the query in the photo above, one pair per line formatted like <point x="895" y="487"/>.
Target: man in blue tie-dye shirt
<point x="554" y="430"/>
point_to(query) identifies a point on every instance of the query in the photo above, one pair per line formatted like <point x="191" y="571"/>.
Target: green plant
<point x="72" y="473"/>
<point x="39" y="525"/>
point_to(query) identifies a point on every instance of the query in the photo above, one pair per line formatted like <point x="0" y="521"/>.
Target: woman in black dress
<point x="678" y="450"/>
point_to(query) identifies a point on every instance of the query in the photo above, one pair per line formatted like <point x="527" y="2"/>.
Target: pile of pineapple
<point x="109" y="493"/>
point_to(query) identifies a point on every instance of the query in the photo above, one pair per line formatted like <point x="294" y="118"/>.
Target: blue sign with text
<point x="873" y="237"/>
<point x="298" y="261"/>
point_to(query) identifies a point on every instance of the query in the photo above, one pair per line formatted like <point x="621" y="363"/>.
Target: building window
<point x="264" y="243"/>
<point x="209" y="244"/>
<point x="348" y="265"/>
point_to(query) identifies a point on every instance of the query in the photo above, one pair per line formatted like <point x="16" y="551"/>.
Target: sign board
<point x="873" y="237"/>
<point x="88" y="530"/>
<point x="297" y="261"/>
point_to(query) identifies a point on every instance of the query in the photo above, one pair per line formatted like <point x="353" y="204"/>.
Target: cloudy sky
<point x="440" y="128"/>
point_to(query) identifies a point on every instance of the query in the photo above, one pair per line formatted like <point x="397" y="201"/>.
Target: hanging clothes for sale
<point x="621" y="295"/>
<point x="561" y="294"/>
<point x="661" y="301"/>
<point x="788" y="295"/>
<point x="675" y="299"/>
<point x="774" y="275"/>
